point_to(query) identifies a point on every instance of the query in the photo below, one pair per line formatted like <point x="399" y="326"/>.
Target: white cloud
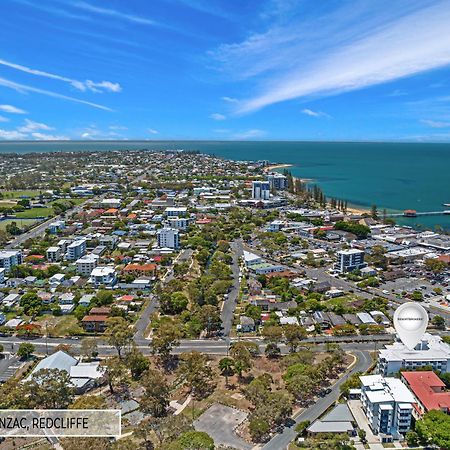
<point x="217" y="116"/>
<point x="49" y="137"/>
<point x="12" y="135"/>
<point x="249" y="134"/>
<point x="23" y="88"/>
<point x="77" y="84"/>
<point x="311" y="113"/>
<point x="436" y="123"/>
<point x="4" y="119"/>
<point x="114" y="13"/>
<point x="153" y="131"/>
<point x="230" y="99"/>
<point x="31" y="130"/>
<point x="117" y="127"/>
<point x="12" y="109"/>
<point x="352" y="47"/>
<point x="30" y="126"/>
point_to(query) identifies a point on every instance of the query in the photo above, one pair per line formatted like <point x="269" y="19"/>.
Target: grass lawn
<point x="35" y="212"/>
<point x="28" y="222"/>
<point x="18" y="194"/>
<point x="60" y="326"/>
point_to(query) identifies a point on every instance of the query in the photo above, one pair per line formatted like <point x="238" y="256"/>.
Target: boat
<point x="446" y="204"/>
<point x="447" y="211"/>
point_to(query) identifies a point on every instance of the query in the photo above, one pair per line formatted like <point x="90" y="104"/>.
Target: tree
<point x="31" y="303"/>
<point x="102" y="298"/>
<point x="374" y="212"/>
<point x="438" y="322"/>
<point x="195" y="371"/>
<point x="272" y="333"/>
<point x="25" y="350"/>
<point x="242" y="357"/>
<point x="294" y="334"/>
<point x="155" y="399"/>
<point x="226" y="366"/>
<point x="259" y="429"/>
<point x="164" y="339"/>
<point x="89" y="347"/>
<point x="434" y="429"/>
<point x="89" y="402"/>
<point x="50" y="389"/>
<point x="272" y="350"/>
<point x="118" y="333"/>
<point x="193" y="440"/>
<point x="173" y="303"/>
<point x="116" y="374"/>
<point x="136" y="362"/>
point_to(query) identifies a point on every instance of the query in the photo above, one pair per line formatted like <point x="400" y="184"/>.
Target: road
<point x="282" y="440"/>
<point x="229" y="305"/>
<point x="40" y="229"/>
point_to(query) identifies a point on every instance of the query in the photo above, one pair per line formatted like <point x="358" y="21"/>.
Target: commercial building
<point x="53" y="254"/>
<point x="168" y="238"/>
<point x="431" y="351"/>
<point x="103" y="275"/>
<point x="9" y="259"/>
<point x="76" y="249"/>
<point x="260" y="190"/>
<point x="86" y="264"/>
<point x="2" y="276"/>
<point x="348" y="260"/>
<point x="388" y="405"/>
<point x="429" y="392"/>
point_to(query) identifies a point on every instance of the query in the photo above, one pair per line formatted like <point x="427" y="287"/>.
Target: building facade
<point x="260" y="190"/>
<point x="76" y="249"/>
<point x="348" y="260"/>
<point x="168" y="237"/>
<point x="10" y="258"/>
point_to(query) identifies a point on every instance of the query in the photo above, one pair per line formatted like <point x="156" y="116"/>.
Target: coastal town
<point x="217" y="304"/>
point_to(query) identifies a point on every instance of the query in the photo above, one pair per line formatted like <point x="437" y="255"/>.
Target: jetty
<point x="412" y="213"/>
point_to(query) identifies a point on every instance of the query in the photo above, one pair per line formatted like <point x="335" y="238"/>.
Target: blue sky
<point x="225" y="69"/>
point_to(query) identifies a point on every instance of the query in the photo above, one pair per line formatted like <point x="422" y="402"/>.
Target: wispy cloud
<point x="114" y="13"/>
<point x="311" y="113"/>
<point x="23" y="88"/>
<point x="397" y="93"/>
<point x="253" y="133"/>
<point x="77" y="84"/>
<point x="12" y="109"/>
<point x="217" y="116"/>
<point x="230" y="99"/>
<point x="153" y="131"/>
<point x="31" y="130"/>
<point x="4" y="119"/>
<point x="31" y="126"/>
<point x="354" y="47"/>
<point x="436" y="123"/>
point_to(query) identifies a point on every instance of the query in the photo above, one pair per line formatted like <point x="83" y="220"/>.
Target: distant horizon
<point x="328" y="141"/>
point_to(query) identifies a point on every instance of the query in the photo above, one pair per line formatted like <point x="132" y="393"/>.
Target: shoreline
<point x="350" y="209"/>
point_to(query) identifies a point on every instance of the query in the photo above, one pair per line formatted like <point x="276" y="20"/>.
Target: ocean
<point x="395" y="176"/>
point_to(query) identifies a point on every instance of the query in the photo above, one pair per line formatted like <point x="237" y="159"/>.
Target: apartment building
<point x="76" y="249"/>
<point x="10" y="258"/>
<point x="348" y="260"/>
<point x="86" y="265"/>
<point x="168" y="238"/>
<point x="53" y="254"/>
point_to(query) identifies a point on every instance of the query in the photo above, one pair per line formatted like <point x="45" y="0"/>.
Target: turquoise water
<point x="395" y="176"/>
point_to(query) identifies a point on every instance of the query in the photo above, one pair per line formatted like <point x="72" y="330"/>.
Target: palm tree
<point x="226" y="366"/>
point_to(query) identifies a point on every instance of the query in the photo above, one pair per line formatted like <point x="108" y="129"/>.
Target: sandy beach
<point x="276" y="166"/>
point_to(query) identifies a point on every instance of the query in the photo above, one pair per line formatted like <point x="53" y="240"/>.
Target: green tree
<point x="438" y="322"/>
<point x="118" y="334"/>
<point x="89" y="348"/>
<point x="194" y="371"/>
<point x="294" y="334"/>
<point x="434" y="429"/>
<point x="50" y="389"/>
<point x="136" y="362"/>
<point x="31" y="303"/>
<point x="164" y="339"/>
<point x="25" y="350"/>
<point x="155" y="399"/>
<point x="193" y="440"/>
<point x="226" y="366"/>
<point x="116" y="374"/>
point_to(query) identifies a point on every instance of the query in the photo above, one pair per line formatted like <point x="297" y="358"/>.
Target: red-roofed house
<point x="141" y="269"/>
<point x="429" y="391"/>
<point x="96" y="319"/>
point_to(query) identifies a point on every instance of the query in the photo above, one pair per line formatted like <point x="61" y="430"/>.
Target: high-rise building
<point x="168" y="237"/>
<point x="260" y="190"/>
<point x="277" y="181"/>
<point x="76" y="249"/>
<point x="10" y="258"/>
<point x="348" y="260"/>
<point x="388" y="405"/>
